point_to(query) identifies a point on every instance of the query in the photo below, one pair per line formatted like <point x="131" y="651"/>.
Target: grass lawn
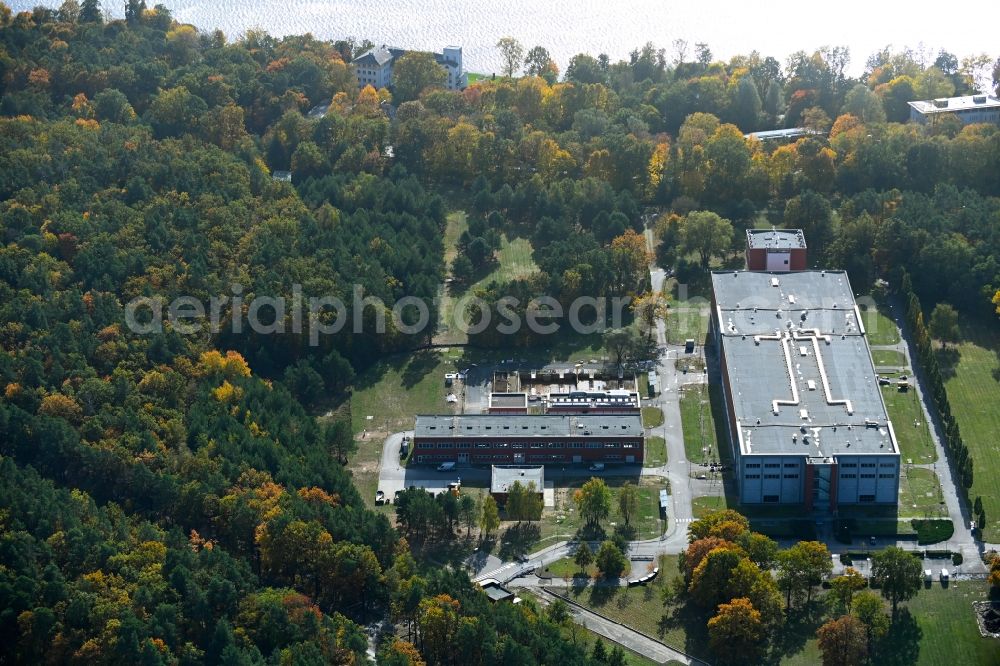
<point x="688" y="320"/>
<point x="937" y="626"/>
<point x="702" y="506"/>
<point x="912" y="430"/>
<point x="515" y="261"/>
<point x="878" y="327"/>
<point x="563" y="521"/>
<point x="889" y="357"/>
<point x="640" y="607"/>
<point x="920" y="494"/>
<point x="656" y="452"/>
<point x="972" y="374"/>
<point x="585" y="638"/>
<point x="447" y="331"/>
<point x="940" y="629"/>
<point x="698" y="425"/>
<point x="652" y="417"/>
<point x="392" y="392"/>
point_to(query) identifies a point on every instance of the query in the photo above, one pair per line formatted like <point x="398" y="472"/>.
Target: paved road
<point x="621" y="634"/>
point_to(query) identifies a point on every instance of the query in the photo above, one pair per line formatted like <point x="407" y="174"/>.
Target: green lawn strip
<point x="972" y="373"/>
<point x="580" y="635"/>
<point x="879" y="328"/>
<point x="920" y="494"/>
<point x="687" y="320"/>
<point x="911" y="428"/>
<point x="701" y="506"/>
<point x="564" y="519"/>
<point x="940" y="628"/>
<point x="514" y="261"/>
<point x="395" y="389"/>
<point x="656" y="452"/>
<point x="447" y="331"/>
<point x="652" y="417"/>
<point x="888" y="358"/>
<point x="640" y="608"/>
<point x="700" y="441"/>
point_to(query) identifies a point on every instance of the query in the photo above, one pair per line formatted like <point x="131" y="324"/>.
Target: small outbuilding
<point x="503" y="477"/>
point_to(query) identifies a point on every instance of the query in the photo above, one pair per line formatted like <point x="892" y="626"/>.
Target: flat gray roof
<point x="508" y="399"/>
<point x="528" y="425"/>
<point x="799" y="366"/>
<point x="952" y="104"/>
<point x="502" y="478"/>
<point x="776" y="239"/>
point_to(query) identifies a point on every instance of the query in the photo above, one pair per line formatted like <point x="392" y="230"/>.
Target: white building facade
<point x="374" y="67"/>
<point x="969" y="109"/>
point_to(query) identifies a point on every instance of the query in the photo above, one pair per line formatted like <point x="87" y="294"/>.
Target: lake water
<point x="567" y="27"/>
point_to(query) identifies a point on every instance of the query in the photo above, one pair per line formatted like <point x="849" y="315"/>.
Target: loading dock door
<point x="779" y="261"/>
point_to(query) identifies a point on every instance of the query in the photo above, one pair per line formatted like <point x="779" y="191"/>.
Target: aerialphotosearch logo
<point x="320" y="316"/>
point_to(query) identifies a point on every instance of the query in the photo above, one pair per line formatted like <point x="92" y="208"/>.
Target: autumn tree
<point x="843" y="642"/>
<point x="469" y="511"/>
<point x="842" y="589"/>
<point x="593" y="500"/>
<point x="710" y="581"/>
<point x="869" y="609"/>
<point x="489" y="520"/>
<point x="511" y="52"/>
<point x="438" y="622"/>
<point x="631" y="257"/>
<point x="898" y="574"/>
<point x="718" y="524"/>
<point x="802" y="567"/>
<point x="538" y="62"/>
<point x="413" y="73"/>
<point x="736" y="633"/>
<point x="649" y="307"/>
<point x="944" y="324"/>
<point x="584" y="556"/>
<point x="628" y="502"/>
<point x="610" y="560"/>
<point x="706" y="233"/>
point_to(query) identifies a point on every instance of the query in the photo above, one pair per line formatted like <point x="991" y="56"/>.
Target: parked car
<point x="871" y="540"/>
<point x="380" y="497"/>
<point x="446" y="467"/>
<point x="596" y="467"/>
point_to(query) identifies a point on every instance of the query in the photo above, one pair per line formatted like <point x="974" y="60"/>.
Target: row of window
<point x="523" y="445"/>
<point x="868" y="476"/>
<point x="870" y="464"/>
<point x="770" y="476"/>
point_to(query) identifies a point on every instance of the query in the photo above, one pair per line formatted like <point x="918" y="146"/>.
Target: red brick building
<point x="776" y="250"/>
<point x="536" y="439"/>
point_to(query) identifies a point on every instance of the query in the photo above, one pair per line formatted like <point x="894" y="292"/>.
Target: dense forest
<point x="170" y="498"/>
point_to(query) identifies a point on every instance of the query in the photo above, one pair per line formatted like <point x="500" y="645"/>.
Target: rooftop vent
<point x="979" y="99"/>
<point x="941" y="103"/>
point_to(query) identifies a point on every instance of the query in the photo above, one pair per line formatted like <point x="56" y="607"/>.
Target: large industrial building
<point x="530" y="438"/>
<point x="979" y="108"/>
<point x="805" y="414"/>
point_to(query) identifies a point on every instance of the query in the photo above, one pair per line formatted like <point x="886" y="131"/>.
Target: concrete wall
<point x="767" y="479"/>
<point x="868" y="476"/>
